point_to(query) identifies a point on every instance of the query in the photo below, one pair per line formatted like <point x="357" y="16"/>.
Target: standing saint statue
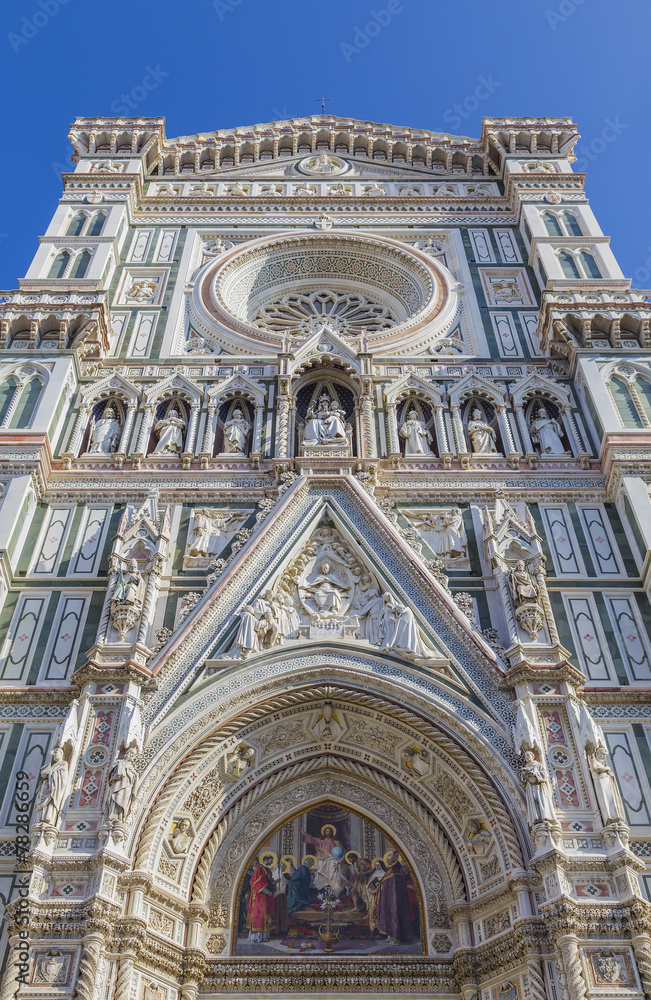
<point x="169" y="431"/>
<point x="236" y="432"/>
<point x="606" y="790"/>
<point x="105" y="433"/>
<point x="540" y="804"/>
<point x="481" y="434"/>
<point x="122" y="787"/>
<point x="52" y="789"/>
<point x="415" y="435"/>
<point x="546" y="432"/>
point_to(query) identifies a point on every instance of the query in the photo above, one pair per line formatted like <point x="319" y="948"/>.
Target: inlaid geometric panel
<point x="508" y="247"/>
<point x="506" y="335"/>
<point x="30" y="758"/>
<point x="603" y="548"/>
<point x="562" y="540"/>
<point x="49" y="548"/>
<point x="87" y="550"/>
<point x="631" y="783"/>
<point x="65" y="637"/>
<point x="481" y="245"/>
<point x="631" y="635"/>
<point x="20" y="644"/>
<point x="589" y="639"/>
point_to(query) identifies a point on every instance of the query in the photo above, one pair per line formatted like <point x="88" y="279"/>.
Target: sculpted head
<point x="477" y="414"/>
<point x="109" y="413"/>
<point x="542" y="413"/>
<point x="324" y="567"/>
<point x="412" y="415"/>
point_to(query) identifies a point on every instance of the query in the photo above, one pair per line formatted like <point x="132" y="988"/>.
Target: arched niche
<point x="162" y="434"/>
<point x="537" y="393"/>
<point x="318" y="394"/>
<point x="476" y="393"/>
<point x="330" y="853"/>
<point x="414" y="392"/>
<point x="236" y="392"/>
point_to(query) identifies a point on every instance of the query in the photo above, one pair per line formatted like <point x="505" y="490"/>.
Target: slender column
<point x="145" y="429"/>
<point x="125" y="975"/>
<point x="642" y="950"/>
<point x="102" y="630"/>
<point x="207" y="445"/>
<point x="459" y="433"/>
<point x="394" y="444"/>
<point x="536" y="979"/>
<point x="571" y="430"/>
<point x="440" y="429"/>
<point x="148" y="603"/>
<point x="128" y="427"/>
<point x="505" y="428"/>
<point x="524" y="430"/>
<point x="192" y="429"/>
<point x="63" y="333"/>
<point x="78" y="429"/>
<point x="282" y="432"/>
<point x="257" y="430"/>
<point x="88" y="967"/>
<point x="368" y="430"/>
<point x="569" y="945"/>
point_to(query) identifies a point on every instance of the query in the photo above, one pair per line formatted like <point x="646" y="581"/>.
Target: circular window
<point x="296" y="285"/>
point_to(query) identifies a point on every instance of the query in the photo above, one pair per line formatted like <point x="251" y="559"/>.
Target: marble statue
<point x="236" y="433"/>
<point x="105" y="433"/>
<point x="52" y="789"/>
<point x="326" y="424"/>
<point x="122" y="787"/>
<point x="444" y="532"/>
<point x="521" y="583"/>
<point x="482" y="436"/>
<point x="169" y="431"/>
<point x="181" y="837"/>
<point x="415" y="435"/>
<point x="326" y="591"/>
<point x="546" y="433"/>
<point x="401" y="633"/>
<point x="605" y="786"/>
<point x="209" y="533"/>
<point x="126" y="602"/>
<point x="540" y="803"/>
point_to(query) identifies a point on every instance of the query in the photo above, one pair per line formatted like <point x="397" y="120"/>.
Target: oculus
<point x="251" y="298"/>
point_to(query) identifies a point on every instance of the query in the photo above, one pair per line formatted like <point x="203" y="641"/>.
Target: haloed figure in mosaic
<point x="351" y="877"/>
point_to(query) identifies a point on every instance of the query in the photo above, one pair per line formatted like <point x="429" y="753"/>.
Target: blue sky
<point x="223" y="63"/>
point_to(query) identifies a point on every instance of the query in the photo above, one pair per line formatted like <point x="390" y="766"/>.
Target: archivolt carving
<point x="454" y="756"/>
<point x="393" y="806"/>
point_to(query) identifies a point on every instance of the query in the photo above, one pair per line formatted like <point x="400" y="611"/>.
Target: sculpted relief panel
<point x="326" y="592"/>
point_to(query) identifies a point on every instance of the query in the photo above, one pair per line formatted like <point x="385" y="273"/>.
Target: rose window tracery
<point x="345" y="312"/>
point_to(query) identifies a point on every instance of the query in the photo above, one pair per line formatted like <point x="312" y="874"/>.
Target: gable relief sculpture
<point x="208" y="534"/>
<point x="326" y="592"/>
<point x="444" y="532"/>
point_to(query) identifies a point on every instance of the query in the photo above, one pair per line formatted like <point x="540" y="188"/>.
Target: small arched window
<point x="7" y="392"/>
<point x="27" y="404"/>
<point x="570" y="270"/>
<point x="97" y="224"/>
<point x="80" y="265"/>
<point x="59" y="265"/>
<point x="572" y="224"/>
<point x="643" y="387"/>
<point x="624" y="402"/>
<point x="76" y="224"/>
<point x="589" y="265"/>
<point x="552" y="224"/>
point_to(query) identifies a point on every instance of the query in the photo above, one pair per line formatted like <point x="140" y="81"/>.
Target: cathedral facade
<point x="325" y="663"/>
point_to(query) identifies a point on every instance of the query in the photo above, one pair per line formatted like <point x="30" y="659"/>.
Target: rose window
<point x="345" y="312"/>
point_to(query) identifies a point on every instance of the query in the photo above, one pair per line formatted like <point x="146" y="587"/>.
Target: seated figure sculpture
<point x="325" y="425"/>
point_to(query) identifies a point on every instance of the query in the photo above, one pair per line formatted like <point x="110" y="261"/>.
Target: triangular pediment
<point x="281" y="559"/>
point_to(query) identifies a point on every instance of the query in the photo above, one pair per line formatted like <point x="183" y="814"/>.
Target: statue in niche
<point x="482" y="436"/>
<point x="181" y="836"/>
<point x="236" y="433"/>
<point x="605" y="786"/>
<point x="325" y="425"/>
<point x="239" y="761"/>
<point x="546" y="433"/>
<point x="105" y="433"/>
<point x="169" y="431"/>
<point x="52" y="789"/>
<point x="521" y="583"/>
<point x="126" y="602"/>
<point x="122" y="787"/>
<point x="416" y="436"/>
<point x="540" y="802"/>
